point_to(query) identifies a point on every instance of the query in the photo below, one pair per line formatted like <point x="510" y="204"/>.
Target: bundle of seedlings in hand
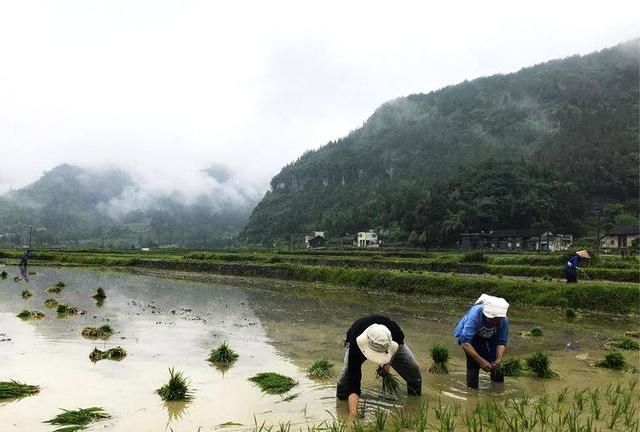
<point x="177" y="389"/>
<point x="99" y="295"/>
<point x="540" y="364"/>
<point x="102" y="332"/>
<point x="117" y="353"/>
<point x="627" y="344"/>
<point x="26" y="294"/>
<point x="14" y="390"/>
<point x="510" y="367"/>
<point x="440" y="357"/>
<point x="614" y="360"/>
<point x="78" y="419"/>
<point x="321" y="369"/>
<point x="273" y="383"/>
<point x="223" y="355"/>
<point x="51" y="303"/>
<point x="3" y="275"/>
<point x="25" y="314"/>
<point x="390" y="383"/>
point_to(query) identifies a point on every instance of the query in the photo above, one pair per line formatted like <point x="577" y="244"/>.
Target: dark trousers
<point x="486" y="351"/>
<point x="571" y="275"/>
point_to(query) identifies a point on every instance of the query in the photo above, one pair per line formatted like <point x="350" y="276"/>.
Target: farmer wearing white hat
<point x="483" y="334"/>
<point x="571" y="267"/>
<point x="380" y="340"/>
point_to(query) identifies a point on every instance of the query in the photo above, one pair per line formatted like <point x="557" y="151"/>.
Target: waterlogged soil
<point x="282" y="327"/>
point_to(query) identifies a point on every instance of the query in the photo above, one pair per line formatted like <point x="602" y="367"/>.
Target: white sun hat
<point x="376" y="344"/>
<point x="493" y="307"/>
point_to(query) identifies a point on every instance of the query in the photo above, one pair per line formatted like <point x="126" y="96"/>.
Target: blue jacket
<point x="474" y="323"/>
<point x="573" y="262"/>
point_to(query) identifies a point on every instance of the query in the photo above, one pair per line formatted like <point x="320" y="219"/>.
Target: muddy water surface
<point x="166" y="323"/>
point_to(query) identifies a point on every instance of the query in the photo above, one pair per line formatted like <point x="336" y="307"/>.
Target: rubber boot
<point x="473" y="378"/>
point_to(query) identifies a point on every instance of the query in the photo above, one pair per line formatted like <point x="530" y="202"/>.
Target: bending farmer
<point x="483" y="334"/>
<point x="571" y="267"/>
<point x="380" y="340"/>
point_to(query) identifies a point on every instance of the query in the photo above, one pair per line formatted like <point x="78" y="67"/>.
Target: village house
<point x="620" y="237"/>
<point x="367" y="239"/>
<point x="532" y="239"/>
<point x="316" y="240"/>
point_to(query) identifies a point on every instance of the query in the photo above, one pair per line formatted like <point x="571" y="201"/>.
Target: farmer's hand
<point x="485" y="365"/>
<point x="386" y="367"/>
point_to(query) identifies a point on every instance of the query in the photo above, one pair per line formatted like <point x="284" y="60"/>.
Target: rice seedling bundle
<point x="540" y="364"/>
<point x="440" y="357"/>
<point x="117" y="353"/>
<point x="17" y="279"/>
<point x="77" y="419"/>
<point x="59" y="284"/>
<point x="3" y="275"/>
<point x="273" y="383"/>
<point x="390" y="383"/>
<point x="321" y="369"/>
<point x="177" y="389"/>
<point x="627" y="344"/>
<point x="102" y="332"/>
<point x="25" y="314"/>
<point x="100" y="294"/>
<point x="51" y="303"/>
<point x="26" y="294"/>
<point x="64" y="309"/>
<point x="13" y="390"/>
<point x="536" y="332"/>
<point x="53" y="290"/>
<point x="223" y="355"/>
<point x="614" y="360"/>
<point x="570" y="314"/>
<point x="510" y="367"/>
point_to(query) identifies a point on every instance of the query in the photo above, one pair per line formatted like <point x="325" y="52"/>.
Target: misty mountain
<point x="541" y="147"/>
<point x="71" y="205"/>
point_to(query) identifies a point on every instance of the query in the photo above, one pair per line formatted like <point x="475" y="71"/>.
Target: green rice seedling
<point x="335" y="426"/>
<point x="78" y="419"/>
<point x="177" y="389"/>
<point x="51" y="303"/>
<point x="262" y="427"/>
<point x="536" y="332"/>
<point x="632" y="385"/>
<point x="3" y="275"/>
<point x="570" y="314"/>
<point x="616" y="413"/>
<point x="117" y="353"/>
<point x="223" y="355"/>
<point x="440" y="357"/>
<point x="54" y="290"/>
<point x="627" y="344"/>
<point x="321" y="369"/>
<point x="420" y="417"/>
<point x="472" y="422"/>
<point x="273" y="383"/>
<point x="26" y="315"/>
<point x="540" y="364"/>
<point x="379" y="419"/>
<point x="15" y="390"/>
<point x="26" y="294"/>
<point x="390" y="383"/>
<point x="60" y="284"/>
<point x="510" y="367"/>
<point x="290" y="397"/>
<point x="614" y="360"/>
<point x="594" y="403"/>
<point x="401" y="420"/>
<point x="102" y="332"/>
<point x="17" y="278"/>
<point x="62" y="308"/>
<point x="579" y="398"/>
<point x="630" y="416"/>
<point x="284" y="427"/>
<point x="100" y="294"/>
<point x="358" y="425"/>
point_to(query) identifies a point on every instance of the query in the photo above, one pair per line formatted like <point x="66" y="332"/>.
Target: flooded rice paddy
<point x="279" y="327"/>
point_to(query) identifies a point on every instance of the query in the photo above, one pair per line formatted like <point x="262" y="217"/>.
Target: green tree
<point x="423" y="240"/>
<point x="413" y="238"/>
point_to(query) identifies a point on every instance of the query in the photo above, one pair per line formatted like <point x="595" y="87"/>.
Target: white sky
<point x="165" y="88"/>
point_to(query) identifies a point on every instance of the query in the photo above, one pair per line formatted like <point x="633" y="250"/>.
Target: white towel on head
<point x="493" y="307"/>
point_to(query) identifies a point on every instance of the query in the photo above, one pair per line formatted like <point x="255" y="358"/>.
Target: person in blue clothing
<point x="483" y="333"/>
<point x="571" y="267"/>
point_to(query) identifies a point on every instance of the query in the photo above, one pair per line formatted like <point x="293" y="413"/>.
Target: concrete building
<point x="368" y="239"/>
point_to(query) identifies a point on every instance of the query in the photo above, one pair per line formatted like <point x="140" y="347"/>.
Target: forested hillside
<point x="546" y="146"/>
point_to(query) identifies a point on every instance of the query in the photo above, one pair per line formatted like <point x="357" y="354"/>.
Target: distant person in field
<point x="483" y="333"/>
<point x="24" y="262"/>
<point x="571" y="267"/>
<point x="380" y="340"/>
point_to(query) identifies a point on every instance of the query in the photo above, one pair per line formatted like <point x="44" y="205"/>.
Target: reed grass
<point x="539" y="364"/>
<point x="223" y="355"/>
<point x="26" y="294"/>
<point x="79" y="419"/>
<point x="100" y="294"/>
<point x="15" y="390"/>
<point x="177" y="389"/>
<point x="117" y="353"/>
<point x="440" y="356"/>
<point x="321" y="369"/>
<point x="102" y="332"/>
<point x="51" y="303"/>
<point x="273" y="383"/>
<point x="614" y="360"/>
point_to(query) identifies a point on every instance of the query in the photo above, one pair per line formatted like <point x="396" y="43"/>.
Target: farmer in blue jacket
<point x="571" y="267"/>
<point x="483" y="334"/>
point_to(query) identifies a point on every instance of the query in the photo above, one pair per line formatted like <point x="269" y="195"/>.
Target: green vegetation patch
<point x="510" y="367"/>
<point x="14" y="390"/>
<point x="273" y="383"/>
<point x="27" y="315"/>
<point x="223" y="355"/>
<point x="627" y="344"/>
<point x="440" y="356"/>
<point x="539" y="364"/>
<point x="117" y="353"/>
<point x="321" y="369"/>
<point x="614" y="360"/>
<point x="78" y="419"/>
<point x="102" y="332"/>
<point x="26" y="294"/>
<point x="177" y="389"/>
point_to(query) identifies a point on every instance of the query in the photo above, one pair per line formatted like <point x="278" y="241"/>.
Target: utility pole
<point x="30" y="230"/>
<point x="599" y="212"/>
<point x="229" y="244"/>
